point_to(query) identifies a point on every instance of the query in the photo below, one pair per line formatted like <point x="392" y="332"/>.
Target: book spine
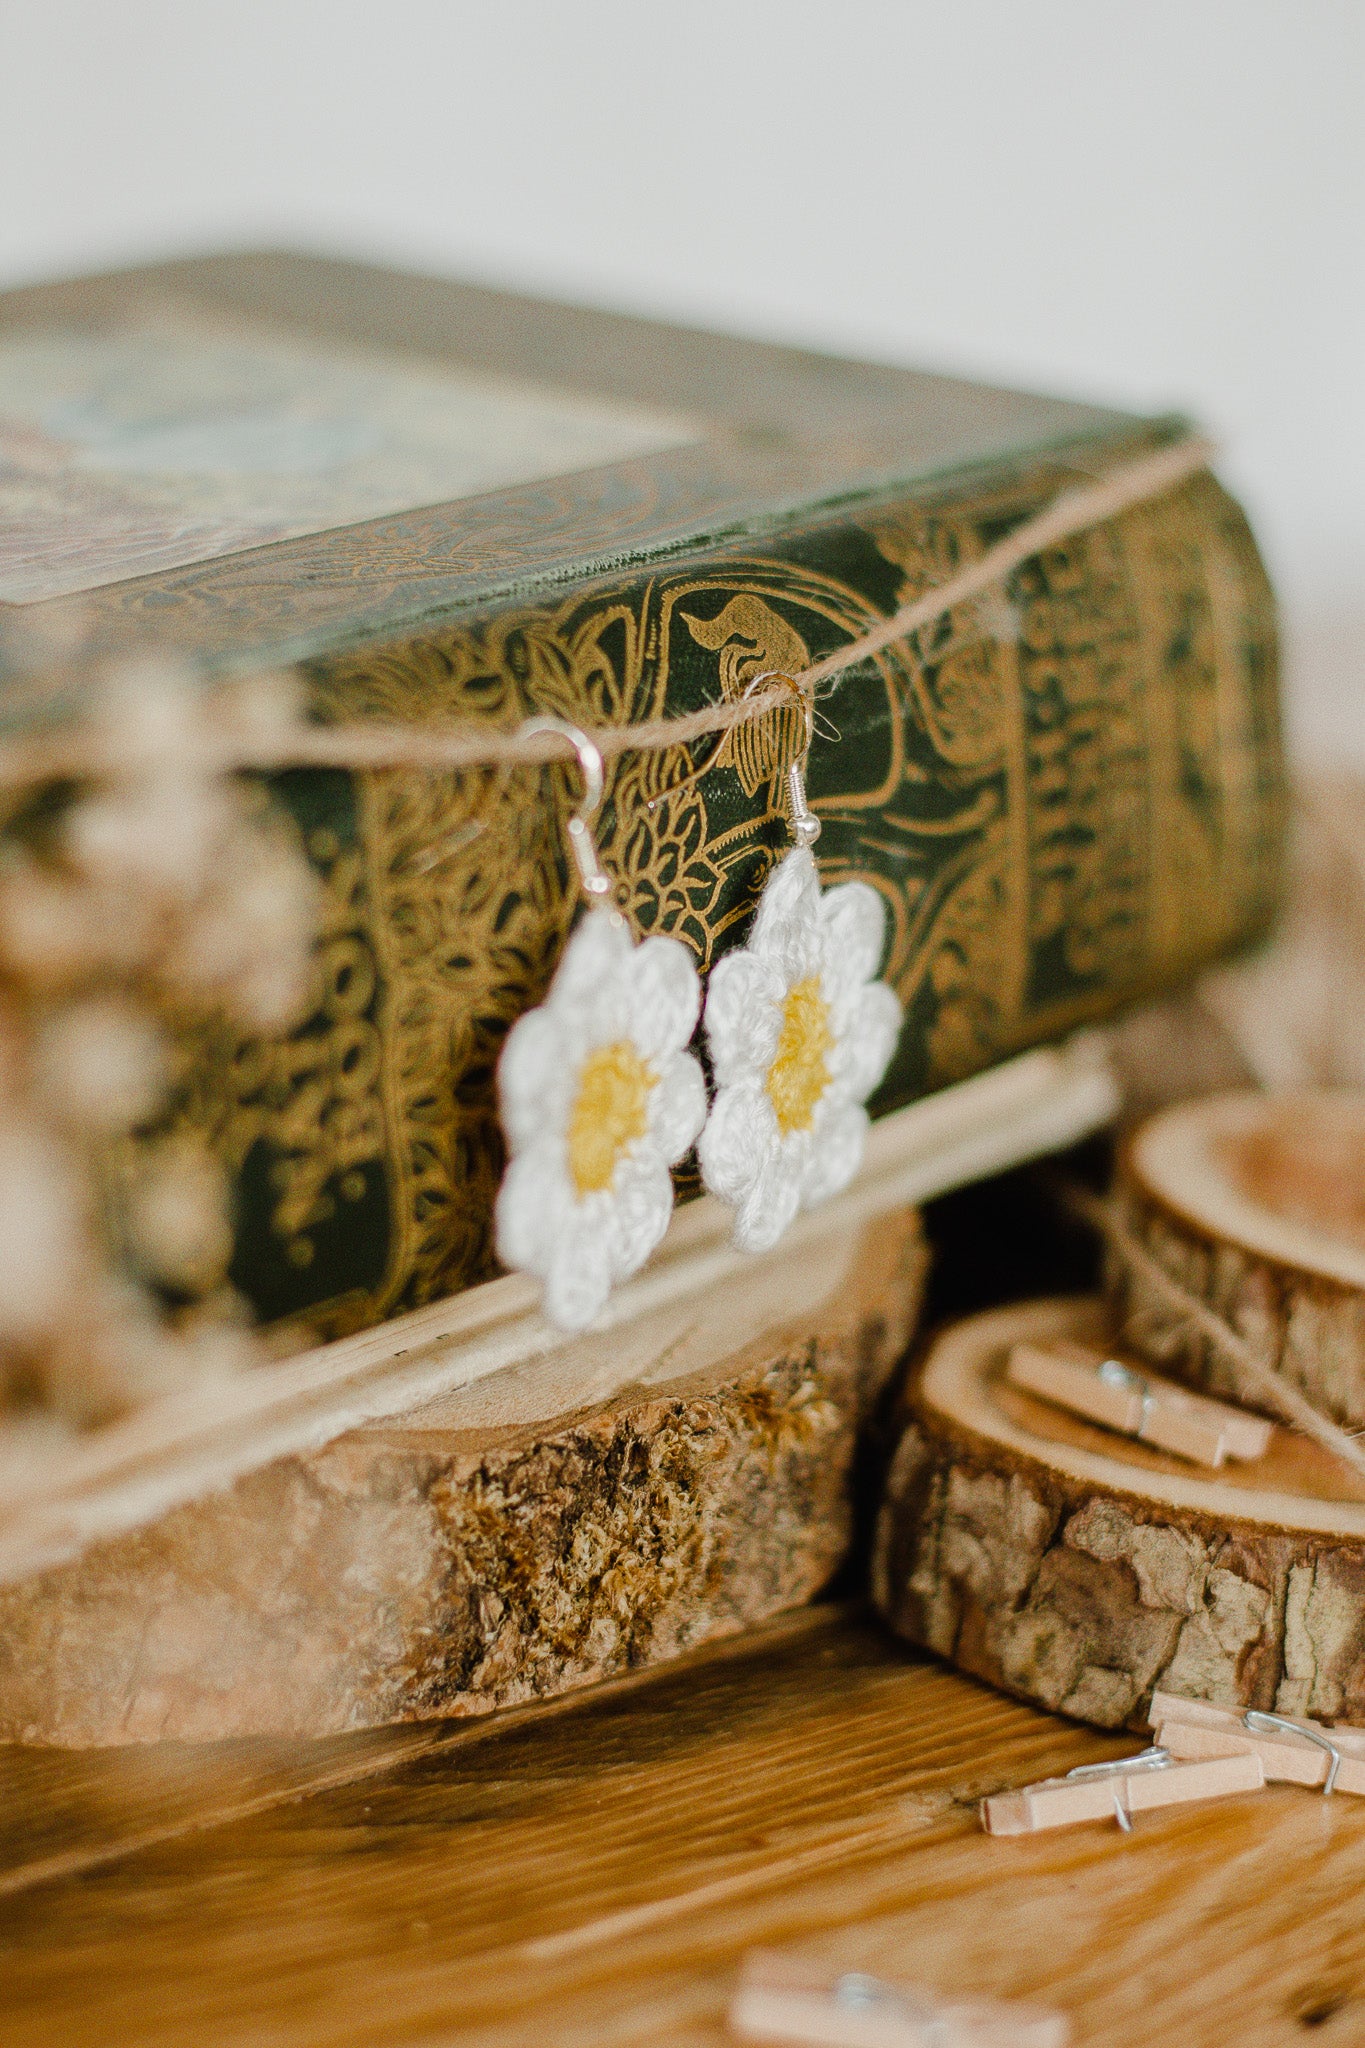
<point x="1068" y="796"/>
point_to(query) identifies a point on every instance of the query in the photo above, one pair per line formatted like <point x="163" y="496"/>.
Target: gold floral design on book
<point x="1029" y="787"/>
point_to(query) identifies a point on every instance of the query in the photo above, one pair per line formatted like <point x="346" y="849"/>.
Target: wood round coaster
<point x="1082" y="1570"/>
<point x="1255" y="1205"/>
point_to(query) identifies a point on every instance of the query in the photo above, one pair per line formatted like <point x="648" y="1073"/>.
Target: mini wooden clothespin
<point x="1132" y="1784"/>
<point x="1106" y="1391"/>
<point x="1291" y="1751"/>
<point x="782" y="2001"/>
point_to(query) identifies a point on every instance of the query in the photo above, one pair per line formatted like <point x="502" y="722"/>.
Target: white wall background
<point x="1154" y="201"/>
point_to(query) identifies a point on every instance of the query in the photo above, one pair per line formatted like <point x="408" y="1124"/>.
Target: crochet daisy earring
<point x="800" y="1031"/>
<point x="598" y="1095"/>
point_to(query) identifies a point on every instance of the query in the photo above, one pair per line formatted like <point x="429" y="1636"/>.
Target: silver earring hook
<point x="596" y="884"/>
<point x="805" y="826"/>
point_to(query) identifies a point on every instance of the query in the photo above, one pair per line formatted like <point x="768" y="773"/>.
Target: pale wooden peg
<point x="1139" y="1405"/>
<point x="1287" y="1757"/>
<point x="1292" y="1751"/>
<point x="779" y="2000"/>
<point x="1117" y="1791"/>
<point x="1174" y="1706"/>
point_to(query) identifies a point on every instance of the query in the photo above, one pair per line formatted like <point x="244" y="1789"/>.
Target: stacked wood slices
<point x="1084" y="1548"/>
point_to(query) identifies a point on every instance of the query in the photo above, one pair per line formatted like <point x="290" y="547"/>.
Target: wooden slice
<point x="1255" y="1205"/>
<point x="504" y="1542"/>
<point x="1081" y="1570"/>
<point x="466" y="1509"/>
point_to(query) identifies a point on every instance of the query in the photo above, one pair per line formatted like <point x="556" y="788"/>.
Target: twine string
<point x="466" y="744"/>
<point x="1255" y="1379"/>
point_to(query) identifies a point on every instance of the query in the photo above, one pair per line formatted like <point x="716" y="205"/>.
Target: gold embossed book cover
<point x="451" y="504"/>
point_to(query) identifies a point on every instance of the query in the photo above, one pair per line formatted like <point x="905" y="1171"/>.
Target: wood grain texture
<point x="1081" y="1570"/>
<point x="593" y="1872"/>
<point x="490" y="1547"/>
<point x="1253" y="1204"/>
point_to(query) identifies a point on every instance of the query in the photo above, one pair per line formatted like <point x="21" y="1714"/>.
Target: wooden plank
<point x="593" y="1872"/>
<point x="64" y="1813"/>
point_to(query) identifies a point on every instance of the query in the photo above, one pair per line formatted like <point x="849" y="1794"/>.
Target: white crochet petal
<point x="533" y="1206"/>
<point x="773" y="1196"/>
<point x="787" y="930"/>
<point x="606" y="989"/>
<point x="589" y="997"/>
<point x="664" y="998"/>
<point x="871" y="1027"/>
<point x="577" y="1274"/>
<point x="743" y="1016"/>
<point x="677" y="1107"/>
<point x="740" y="1132"/>
<point x="854" y="921"/>
<point x="641" y="1206"/>
<point x="837" y="1155"/>
<point x="535" y="1078"/>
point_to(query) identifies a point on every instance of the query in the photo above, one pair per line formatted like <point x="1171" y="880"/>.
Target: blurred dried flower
<point x="247" y="945"/>
<point x="266" y="704"/>
<point x="176" y="1217"/>
<point x="160" y="890"/>
<point x="125" y="1351"/>
<point x="155" y="831"/>
<point x="43" y="1229"/>
<point x="99" y="1065"/>
<point x="55" y="933"/>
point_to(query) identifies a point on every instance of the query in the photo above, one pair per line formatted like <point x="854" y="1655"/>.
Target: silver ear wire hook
<point x="805" y="826"/>
<point x="1275" y="1724"/>
<point x="596" y="884"/>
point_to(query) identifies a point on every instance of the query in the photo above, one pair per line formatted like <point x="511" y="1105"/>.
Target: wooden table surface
<point x="591" y="1872"/>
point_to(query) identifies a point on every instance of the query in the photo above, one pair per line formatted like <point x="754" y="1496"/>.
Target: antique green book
<point x="450" y="503"/>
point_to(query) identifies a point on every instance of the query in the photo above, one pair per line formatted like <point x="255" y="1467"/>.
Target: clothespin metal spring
<point x="1276" y="1724"/>
<point x="1285" y="1744"/>
<point x="1154" y="1758"/>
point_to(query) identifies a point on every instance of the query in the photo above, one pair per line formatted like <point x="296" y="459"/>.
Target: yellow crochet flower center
<point x="611" y="1110"/>
<point x="799" y="1076"/>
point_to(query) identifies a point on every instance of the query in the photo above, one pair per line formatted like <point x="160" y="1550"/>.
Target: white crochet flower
<point x="599" y="1098"/>
<point x="800" y="1033"/>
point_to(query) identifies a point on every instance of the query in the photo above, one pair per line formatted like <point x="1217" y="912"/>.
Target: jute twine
<point x="1255" y="1380"/>
<point x="84" y="750"/>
